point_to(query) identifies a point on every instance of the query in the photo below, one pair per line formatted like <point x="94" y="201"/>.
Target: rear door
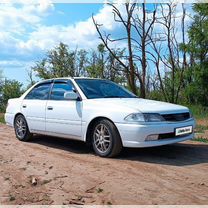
<point x="63" y="117"/>
<point x="34" y="106"/>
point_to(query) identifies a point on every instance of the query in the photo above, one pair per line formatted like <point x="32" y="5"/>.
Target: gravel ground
<point x="67" y="172"/>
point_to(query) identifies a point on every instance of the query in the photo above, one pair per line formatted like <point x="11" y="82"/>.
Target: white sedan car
<point x="98" y="112"/>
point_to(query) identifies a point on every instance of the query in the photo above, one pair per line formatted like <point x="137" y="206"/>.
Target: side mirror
<point x="70" y="95"/>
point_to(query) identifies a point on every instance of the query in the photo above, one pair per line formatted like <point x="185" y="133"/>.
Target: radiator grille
<point x="176" y="117"/>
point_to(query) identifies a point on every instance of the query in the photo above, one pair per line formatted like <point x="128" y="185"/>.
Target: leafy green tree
<point x="1" y="80"/>
<point x="97" y="61"/>
<point x="196" y="76"/>
<point x="81" y="60"/>
<point x="10" y="89"/>
<point x="198" y="34"/>
<point x="102" y="64"/>
<point x="61" y="62"/>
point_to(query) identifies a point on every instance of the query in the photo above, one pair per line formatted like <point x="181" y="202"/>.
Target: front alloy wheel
<point x="21" y="129"/>
<point x="102" y="138"/>
<point x="106" y="139"/>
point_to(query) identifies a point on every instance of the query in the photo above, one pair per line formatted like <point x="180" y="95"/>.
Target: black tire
<point x="22" y="133"/>
<point x="110" y="132"/>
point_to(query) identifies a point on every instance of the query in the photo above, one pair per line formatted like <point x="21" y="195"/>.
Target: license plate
<point x="183" y="130"/>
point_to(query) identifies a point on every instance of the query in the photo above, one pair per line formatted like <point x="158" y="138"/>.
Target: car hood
<point x="142" y="105"/>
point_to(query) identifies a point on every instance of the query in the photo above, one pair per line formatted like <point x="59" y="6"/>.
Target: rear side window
<point x="40" y="92"/>
<point x="59" y="89"/>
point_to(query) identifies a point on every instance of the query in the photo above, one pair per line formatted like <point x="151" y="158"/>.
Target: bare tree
<point x="166" y="51"/>
<point x="106" y="39"/>
<point x="138" y="24"/>
<point x="144" y="27"/>
<point x="156" y="59"/>
<point x="184" y="61"/>
<point x="30" y="74"/>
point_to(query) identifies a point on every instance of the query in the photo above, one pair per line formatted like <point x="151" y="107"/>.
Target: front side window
<point x="39" y="92"/>
<point x="95" y="88"/>
<point x="59" y="89"/>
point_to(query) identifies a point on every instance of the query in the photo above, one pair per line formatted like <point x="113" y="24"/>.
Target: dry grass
<point x="202" y="130"/>
<point x="202" y="122"/>
<point x="2" y="118"/>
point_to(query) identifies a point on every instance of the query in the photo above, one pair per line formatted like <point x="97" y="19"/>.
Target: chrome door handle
<point x="50" y="108"/>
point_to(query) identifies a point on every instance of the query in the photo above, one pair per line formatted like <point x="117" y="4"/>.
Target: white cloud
<point x="24" y="38"/>
<point x="177" y="14"/>
<point x="23" y="33"/>
<point x="13" y="19"/>
<point x="82" y="34"/>
<point x="15" y="63"/>
<point x="16" y="22"/>
<point x="45" y="5"/>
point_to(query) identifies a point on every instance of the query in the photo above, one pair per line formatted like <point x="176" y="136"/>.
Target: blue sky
<point x="28" y="31"/>
<point x="66" y="14"/>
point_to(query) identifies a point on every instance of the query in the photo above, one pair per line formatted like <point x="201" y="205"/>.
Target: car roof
<point x="69" y="78"/>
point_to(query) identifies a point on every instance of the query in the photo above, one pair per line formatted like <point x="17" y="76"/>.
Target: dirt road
<point x="68" y="172"/>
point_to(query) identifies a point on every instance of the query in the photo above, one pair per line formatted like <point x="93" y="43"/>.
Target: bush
<point x="9" y="89"/>
<point x="199" y="111"/>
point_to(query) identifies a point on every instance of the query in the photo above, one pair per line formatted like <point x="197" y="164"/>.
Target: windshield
<point x="97" y="88"/>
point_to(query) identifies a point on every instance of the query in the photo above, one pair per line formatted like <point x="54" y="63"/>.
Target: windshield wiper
<point x="114" y="96"/>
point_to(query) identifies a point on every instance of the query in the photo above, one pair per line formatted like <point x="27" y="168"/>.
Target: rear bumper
<point x="9" y="119"/>
<point x="134" y="135"/>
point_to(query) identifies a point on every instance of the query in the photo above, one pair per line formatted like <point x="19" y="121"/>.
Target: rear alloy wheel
<point x="106" y="139"/>
<point x="21" y="129"/>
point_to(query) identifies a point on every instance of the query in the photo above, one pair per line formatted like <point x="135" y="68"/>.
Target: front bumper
<point x="134" y="135"/>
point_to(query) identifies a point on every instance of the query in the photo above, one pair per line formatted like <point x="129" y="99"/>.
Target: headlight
<point x="144" y="117"/>
<point x="135" y="117"/>
<point x="191" y="114"/>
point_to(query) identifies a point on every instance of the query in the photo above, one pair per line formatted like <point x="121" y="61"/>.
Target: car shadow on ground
<point x="62" y="144"/>
<point x="180" y="154"/>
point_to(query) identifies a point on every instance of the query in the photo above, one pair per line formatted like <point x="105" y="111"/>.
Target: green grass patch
<point x="199" y="112"/>
<point x="200" y="128"/>
<point x="2" y="118"/>
<point x="201" y="140"/>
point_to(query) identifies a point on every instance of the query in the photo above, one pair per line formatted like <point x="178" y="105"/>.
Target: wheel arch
<point x="90" y="128"/>
<point x="17" y="114"/>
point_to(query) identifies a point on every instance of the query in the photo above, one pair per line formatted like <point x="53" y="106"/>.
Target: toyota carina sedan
<point x="98" y="112"/>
